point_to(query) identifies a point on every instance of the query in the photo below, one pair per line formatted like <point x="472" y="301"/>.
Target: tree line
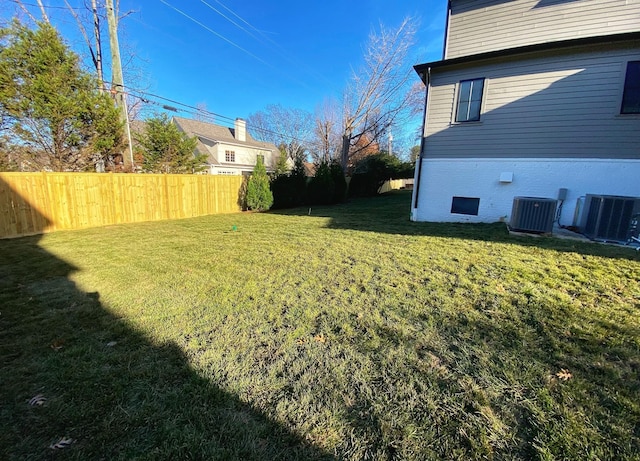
<point x="328" y="184"/>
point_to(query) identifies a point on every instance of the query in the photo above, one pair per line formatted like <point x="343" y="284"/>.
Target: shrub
<point x="371" y="172"/>
<point x="322" y="186"/>
<point x="337" y="174"/>
<point x="290" y="190"/>
<point x="259" y="196"/>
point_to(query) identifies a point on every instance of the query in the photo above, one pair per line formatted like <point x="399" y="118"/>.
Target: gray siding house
<point x="533" y="98"/>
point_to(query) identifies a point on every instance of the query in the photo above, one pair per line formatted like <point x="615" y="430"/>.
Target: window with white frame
<point x="631" y="94"/>
<point x="260" y="157"/>
<point x="229" y="156"/>
<point x="469" y="100"/>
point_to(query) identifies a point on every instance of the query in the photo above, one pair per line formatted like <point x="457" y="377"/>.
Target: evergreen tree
<point x="299" y="181"/>
<point x="290" y="189"/>
<point x="337" y="174"/>
<point x="166" y="149"/>
<point x="259" y="196"/>
<point x="322" y="186"/>
<point x="51" y="107"/>
<point x="281" y="168"/>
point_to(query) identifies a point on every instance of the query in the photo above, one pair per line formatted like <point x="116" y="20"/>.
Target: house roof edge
<point x="422" y="68"/>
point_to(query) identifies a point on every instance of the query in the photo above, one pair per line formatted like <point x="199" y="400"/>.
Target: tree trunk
<point x="44" y="13"/>
<point x="96" y="33"/>
<point x="344" y="152"/>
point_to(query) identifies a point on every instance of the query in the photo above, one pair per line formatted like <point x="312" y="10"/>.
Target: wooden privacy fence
<point x="395" y="184"/>
<point x="32" y="203"/>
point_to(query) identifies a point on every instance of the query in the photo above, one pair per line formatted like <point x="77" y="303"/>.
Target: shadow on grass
<point x="389" y="214"/>
<point x="104" y="385"/>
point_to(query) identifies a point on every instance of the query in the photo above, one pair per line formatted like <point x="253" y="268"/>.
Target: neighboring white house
<point x="230" y="151"/>
<point x="533" y="98"/>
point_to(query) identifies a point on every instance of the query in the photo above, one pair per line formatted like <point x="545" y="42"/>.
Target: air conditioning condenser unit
<point x="533" y="214"/>
<point x="608" y="217"/>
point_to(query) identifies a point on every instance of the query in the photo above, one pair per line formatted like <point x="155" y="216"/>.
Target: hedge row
<point x="328" y="185"/>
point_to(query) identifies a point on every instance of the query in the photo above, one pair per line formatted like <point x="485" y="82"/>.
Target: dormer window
<point x="229" y="156"/>
<point x="469" y="100"/>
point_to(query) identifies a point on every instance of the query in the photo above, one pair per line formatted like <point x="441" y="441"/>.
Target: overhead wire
<point x="144" y="95"/>
<point x="17" y="2"/>
<point x="186" y="108"/>
<point x="213" y="31"/>
<point x="217" y="34"/>
<point x="243" y="20"/>
<point x="274" y="45"/>
<point x="229" y="19"/>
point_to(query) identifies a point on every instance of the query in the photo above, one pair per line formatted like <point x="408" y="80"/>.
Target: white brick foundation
<point x="442" y="179"/>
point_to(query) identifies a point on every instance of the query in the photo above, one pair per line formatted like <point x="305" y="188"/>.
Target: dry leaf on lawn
<point x="564" y="374"/>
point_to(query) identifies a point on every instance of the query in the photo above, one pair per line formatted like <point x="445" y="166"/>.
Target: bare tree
<point x="326" y="132"/>
<point x="95" y="47"/>
<point x="26" y="11"/>
<point x="43" y="12"/>
<point x="202" y="114"/>
<point x="378" y="93"/>
<point x="288" y="128"/>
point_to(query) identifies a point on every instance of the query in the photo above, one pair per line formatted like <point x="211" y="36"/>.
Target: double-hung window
<point x="229" y="156"/>
<point x="469" y="100"/>
<point x="631" y="94"/>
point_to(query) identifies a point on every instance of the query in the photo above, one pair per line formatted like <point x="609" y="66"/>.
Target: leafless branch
<point x="285" y="127"/>
<point x="377" y="92"/>
<point x="122" y="16"/>
<point x="44" y="13"/>
<point x="26" y="11"/>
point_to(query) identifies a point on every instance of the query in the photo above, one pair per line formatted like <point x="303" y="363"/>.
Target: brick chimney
<point x="240" y="130"/>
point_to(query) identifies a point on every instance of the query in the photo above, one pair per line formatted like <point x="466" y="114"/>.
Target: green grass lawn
<point x="342" y="332"/>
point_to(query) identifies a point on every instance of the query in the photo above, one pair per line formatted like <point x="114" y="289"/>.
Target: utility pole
<point x="117" y="82"/>
<point x="390" y="139"/>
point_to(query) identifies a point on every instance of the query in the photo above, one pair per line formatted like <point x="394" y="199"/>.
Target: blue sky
<point x="292" y="53"/>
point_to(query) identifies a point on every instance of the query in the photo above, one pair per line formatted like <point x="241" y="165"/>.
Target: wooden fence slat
<point x="32" y="203"/>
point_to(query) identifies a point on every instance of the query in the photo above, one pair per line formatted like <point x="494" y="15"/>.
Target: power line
<point x="197" y="111"/>
<point x="173" y="101"/>
<point x="274" y="45"/>
<point x="213" y="32"/>
<point x="17" y="2"/>
<point x="268" y="64"/>
<point x="229" y="19"/>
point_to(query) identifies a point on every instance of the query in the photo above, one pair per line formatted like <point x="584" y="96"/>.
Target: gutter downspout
<point x="416" y="181"/>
